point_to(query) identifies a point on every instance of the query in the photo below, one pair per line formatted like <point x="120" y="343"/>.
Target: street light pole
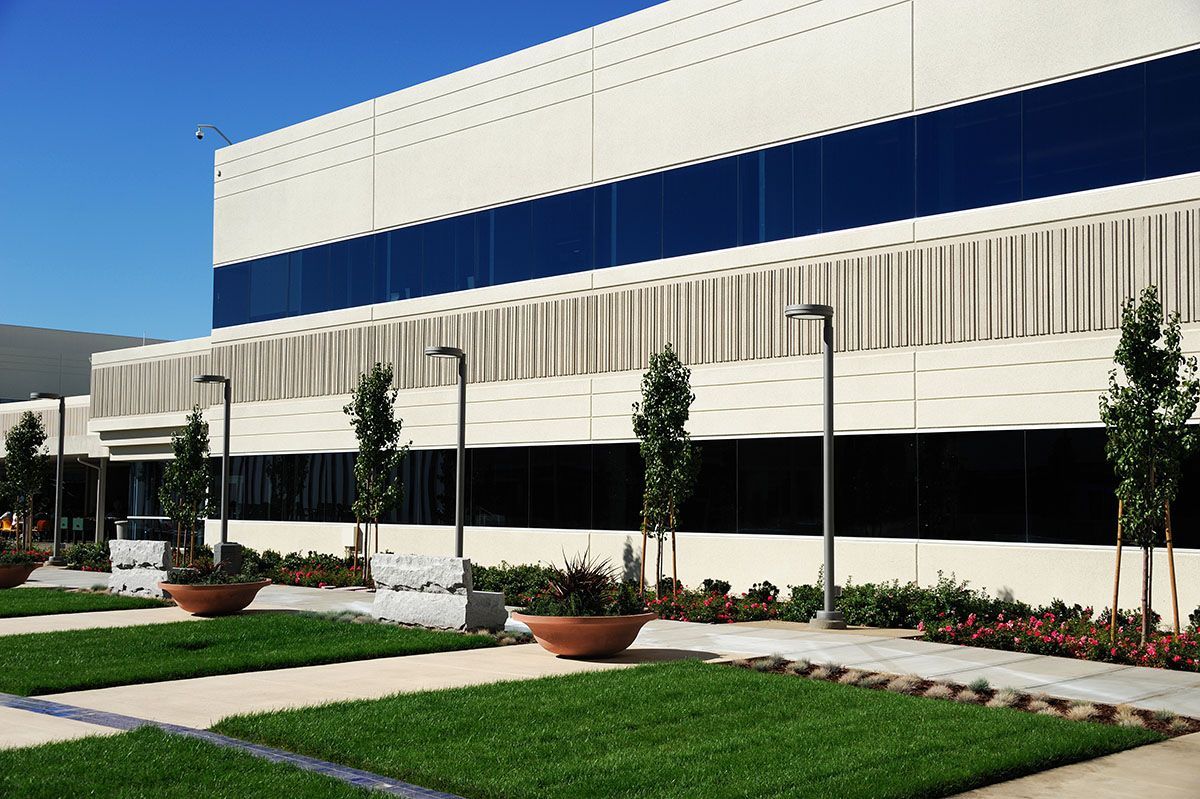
<point x="224" y="552"/>
<point x="56" y="558"/>
<point x="460" y="498"/>
<point x="827" y="618"/>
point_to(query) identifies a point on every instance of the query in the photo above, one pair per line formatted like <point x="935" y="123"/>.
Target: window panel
<point x="231" y="295"/>
<point x="806" y="187"/>
<point x="313" y="266"/>
<point x="972" y="485"/>
<point x="876" y="485"/>
<point x="398" y="255"/>
<point x="499" y="486"/>
<point x="429" y="487"/>
<point x="867" y="175"/>
<point x="969" y="156"/>
<point x="360" y="274"/>
<point x="629" y="221"/>
<point x="779" y="486"/>
<point x="562" y="233"/>
<point x="340" y="270"/>
<point x="1173" y="115"/>
<point x="506" y="244"/>
<point x="1071" y="487"/>
<point x="700" y="208"/>
<point x="765" y="195"/>
<point x="616" y="487"/>
<point x="269" y="288"/>
<point x="560" y="480"/>
<point x="1085" y="133"/>
<point x="712" y="507"/>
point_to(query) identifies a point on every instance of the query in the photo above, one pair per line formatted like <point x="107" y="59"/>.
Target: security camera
<point x="199" y="133"/>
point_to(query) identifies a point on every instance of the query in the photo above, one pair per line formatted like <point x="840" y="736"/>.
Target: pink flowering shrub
<point x="714" y="607"/>
<point x="1078" y="636"/>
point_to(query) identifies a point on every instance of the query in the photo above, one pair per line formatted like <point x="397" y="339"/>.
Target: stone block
<point x="136" y="582"/>
<point x="430" y="574"/>
<point x="479" y="610"/>
<point x="140" y="554"/>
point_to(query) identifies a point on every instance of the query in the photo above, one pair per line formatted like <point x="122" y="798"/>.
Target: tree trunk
<point x="642" y="565"/>
<point x="1112" y="622"/>
<point x="659" y="564"/>
<point x="674" y="559"/>
<point x="1145" y="593"/>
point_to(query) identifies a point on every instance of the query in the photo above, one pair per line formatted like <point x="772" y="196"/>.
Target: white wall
<point x="683" y="81"/>
<point x="1031" y="573"/>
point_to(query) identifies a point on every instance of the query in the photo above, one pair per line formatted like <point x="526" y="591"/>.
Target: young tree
<point x="668" y="457"/>
<point x="1148" y="435"/>
<point x="26" y="466"/>
<point x="380" y="453"/>
<point x="185" y="483"/>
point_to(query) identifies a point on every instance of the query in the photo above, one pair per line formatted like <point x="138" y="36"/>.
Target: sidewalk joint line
<point x="352" y="776"/>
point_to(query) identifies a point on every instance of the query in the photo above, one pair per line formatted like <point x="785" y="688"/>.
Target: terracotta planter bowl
<point x="13" y="575"/>
<point x="214" y="600"/>
<point x="585" y="636"/>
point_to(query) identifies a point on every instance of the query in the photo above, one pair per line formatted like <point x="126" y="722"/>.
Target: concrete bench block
<point x="140" y="554"/>
<point x="138" y="566"/>
<point x="136" y="582"/>
<point x="422" y="573"/>
<point x="480" y="610"/>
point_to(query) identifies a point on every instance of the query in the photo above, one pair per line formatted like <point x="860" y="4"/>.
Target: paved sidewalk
<point x="1177" y="691"/>
<point x="1167" y="770"/>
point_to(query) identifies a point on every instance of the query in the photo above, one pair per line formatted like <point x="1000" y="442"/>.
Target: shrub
<point x="763" y="592"/>
<point x="712" y="608"/>
<point x="712" y="586"/>
<point x="804" y="602"/>
<point x="13" y="554"/>
<point x="585" y="587"/>
<point x="88" y="557"/>
<point x="516" y="582"/>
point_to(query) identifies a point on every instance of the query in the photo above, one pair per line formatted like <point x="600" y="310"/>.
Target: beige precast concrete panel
<point x="968" y="48"/>
<point x="301" y="185"/>
<point x="784" y="77"/>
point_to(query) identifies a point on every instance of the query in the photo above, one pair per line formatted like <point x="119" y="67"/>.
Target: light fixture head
<point x="209" y="379"/>
<point x="199" y="133"/>
<point x="46" y="395"/>
<point x="444" y="352"/>
<point x="808" y="311"/>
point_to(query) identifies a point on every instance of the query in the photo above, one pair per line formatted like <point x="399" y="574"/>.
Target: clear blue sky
<point x="106" y="196"/>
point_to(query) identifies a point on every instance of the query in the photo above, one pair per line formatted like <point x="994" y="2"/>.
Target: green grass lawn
<point x="45" y="601"/>
<point x="44" y="663"/>
<point x="683" y="730"/>
<point x="149" y="763"/>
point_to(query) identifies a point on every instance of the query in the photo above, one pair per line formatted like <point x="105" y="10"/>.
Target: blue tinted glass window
<point x="562" y="233"/>
<point x="806" y="187"/>
<point x="313" y="269"/>
<point x="1085" y="133"/>
<point x="449" y="262"/>
<point x="700" y="208"/>
<point x="765" y="195"/>
<point x="340" y="273"/>
<point x="1173" y="115"/>
<point x="867" y="175"/>
<point x="398" y="256"/>
<point x="360" y="271"/>
<point x="969" y="156"/>
<point x="629" y="221"/>
<point x="268" y="288"/>
<point x="231" y="295"/>
<point x="505" y="244"/>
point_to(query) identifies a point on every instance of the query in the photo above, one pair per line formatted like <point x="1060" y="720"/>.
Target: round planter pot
<point x="13" y="575"/>
<point x="214" y="600"/>
<point x="585" y="636"/>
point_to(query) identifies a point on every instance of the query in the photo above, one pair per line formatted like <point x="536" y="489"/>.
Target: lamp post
<point x="56" y="558"/>
<point x="827" y="618"/>
<point x="224" y="552"/>
<point x="460" y="467"/>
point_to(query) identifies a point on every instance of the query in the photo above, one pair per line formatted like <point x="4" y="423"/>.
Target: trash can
<point x="122" y="529"/>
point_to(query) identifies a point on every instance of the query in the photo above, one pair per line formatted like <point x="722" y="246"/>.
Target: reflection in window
<point x="499" y="484"/>
<point x="1085" y="133"/>
<point x="1173" y="115"/>
<point x="876" y="486"/>
<point x="972" y="485"/>
<point x="779" y="485"/>
<point x="969" y="156"/>
<point x="700" y="207"/>
<point x="867" y="175"/>
<point x="629" y="221"/>
<point x="765" y="195"/>
<point x="560" y="487"/>
<point x="562" y="233"/>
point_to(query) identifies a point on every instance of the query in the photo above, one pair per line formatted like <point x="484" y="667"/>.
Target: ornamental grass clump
<point x="967" y="696"/>
<point x="852" y="677"/>
<point x="940" y="691"/>
<point x="1081" y="711"/>
<point x="585" y="587"/>
<point x="1127" y="716"/>
<point x="1005" y="697"/>
<point x="904" y="684"/>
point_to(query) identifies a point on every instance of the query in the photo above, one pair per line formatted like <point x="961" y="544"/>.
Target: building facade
<point x="976" y="187"/>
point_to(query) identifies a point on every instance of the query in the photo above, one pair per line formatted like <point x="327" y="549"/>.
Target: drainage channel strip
<point x="353" y="776"/>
